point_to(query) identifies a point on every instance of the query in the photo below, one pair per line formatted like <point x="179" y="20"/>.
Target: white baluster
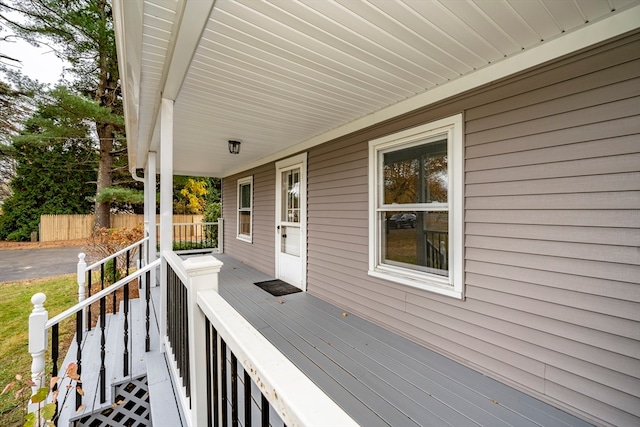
<point x="220" y="235"/>
<point x="443" y="255"/>
<point x="37" y="341"/>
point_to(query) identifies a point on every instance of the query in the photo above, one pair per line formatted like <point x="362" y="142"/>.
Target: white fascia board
<point x="596" y="32"/>
<point x="187" y="30"/>
<point x="128" y="35"/>
<point x="190" y="28"/>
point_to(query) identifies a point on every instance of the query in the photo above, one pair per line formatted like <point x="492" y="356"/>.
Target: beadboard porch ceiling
<point x="285" y="75"/>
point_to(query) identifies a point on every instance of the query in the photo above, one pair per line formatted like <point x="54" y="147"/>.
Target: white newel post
<point x="203" y="275"/>
<point x="37" y="342"/>
<point x="82" y="266"/>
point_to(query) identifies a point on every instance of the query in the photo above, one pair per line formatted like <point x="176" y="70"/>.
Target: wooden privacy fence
<point x="71" y="227"/>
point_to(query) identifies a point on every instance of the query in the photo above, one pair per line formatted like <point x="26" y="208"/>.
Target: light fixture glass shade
<point x="234" y="147"/>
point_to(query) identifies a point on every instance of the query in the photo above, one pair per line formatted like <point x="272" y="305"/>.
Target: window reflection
<point x="416" y="174"/>
<point x="419" y="240"/>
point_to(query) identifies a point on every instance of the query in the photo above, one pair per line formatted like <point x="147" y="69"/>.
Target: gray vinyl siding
<point x="260" y="253"/>
<point x="552" y="229"/>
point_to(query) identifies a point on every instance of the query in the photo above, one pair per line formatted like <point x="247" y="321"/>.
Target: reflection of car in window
<point x="405" y="220"/>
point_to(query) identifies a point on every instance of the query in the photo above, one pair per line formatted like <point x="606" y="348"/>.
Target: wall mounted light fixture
<point x="234" y="147"/>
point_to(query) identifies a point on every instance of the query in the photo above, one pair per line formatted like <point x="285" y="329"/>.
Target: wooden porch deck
<point x="376" y="376"/>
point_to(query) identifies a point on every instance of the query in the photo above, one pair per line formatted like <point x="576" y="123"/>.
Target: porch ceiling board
<point x="279" y="74"/>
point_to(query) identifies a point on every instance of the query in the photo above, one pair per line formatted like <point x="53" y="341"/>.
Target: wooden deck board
<point x="403" y="372"/>
<point x="396" y="405"/>
<point x="372" y="373"/>
<point x="409" y="390"/>
<point x="405" y="352"/>
<point x="250" y="305"/>
<point x="337" y="370"/>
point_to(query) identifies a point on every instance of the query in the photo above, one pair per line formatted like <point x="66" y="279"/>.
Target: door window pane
<point x="290" y="236"/>
<point x="291" y="196"/>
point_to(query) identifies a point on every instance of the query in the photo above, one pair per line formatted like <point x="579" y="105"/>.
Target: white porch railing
<point x="195" y="237"/>
<point x="209" y="340"/>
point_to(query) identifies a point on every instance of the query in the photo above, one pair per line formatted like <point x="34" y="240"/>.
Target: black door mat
<point x="277" y="287"/>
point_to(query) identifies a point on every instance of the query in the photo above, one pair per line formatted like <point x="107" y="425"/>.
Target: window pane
<point x="419" y="240"/>
<point x="245" y="196"/>
<point x="290" y="240"/>
<point x="245" y="223"/>
<point x="416" y="174"/>
<point x="291" y="196"/>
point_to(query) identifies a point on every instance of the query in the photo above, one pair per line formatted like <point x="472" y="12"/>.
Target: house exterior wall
<point x="552" y="229"/>
<point x="261" y="252"/>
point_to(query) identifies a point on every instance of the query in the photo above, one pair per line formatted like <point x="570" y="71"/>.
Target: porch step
<point x="165" y="409"/>
<point x="90" y="371"/>
<point x="150" y="367"/>
<point x="135" y="344"/>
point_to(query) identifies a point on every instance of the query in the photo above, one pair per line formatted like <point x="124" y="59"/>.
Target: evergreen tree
<point x="48" y="181"/>
<point x="17" y="102"/>
<point x="55" y="163"/>
<point x="83" y="30"/>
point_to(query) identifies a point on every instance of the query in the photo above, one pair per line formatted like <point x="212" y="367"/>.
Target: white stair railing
<point x="40" y="324"/>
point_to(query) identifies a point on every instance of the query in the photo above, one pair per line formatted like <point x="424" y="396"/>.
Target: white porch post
<point x="150" y="211"/>
<point x="203" y="276"/>
<point x="166" y="203"/>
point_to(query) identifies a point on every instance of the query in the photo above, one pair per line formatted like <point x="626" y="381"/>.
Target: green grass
<point x="401" y="245"/>
<point x="15" y="307"/>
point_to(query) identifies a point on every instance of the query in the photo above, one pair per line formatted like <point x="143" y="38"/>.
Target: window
<point x="245" y="208"/>
<point x="416" y="207"/>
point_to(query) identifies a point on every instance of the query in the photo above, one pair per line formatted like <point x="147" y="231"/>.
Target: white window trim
<point x="453" y="285"/>
<point x="244" y="237"/>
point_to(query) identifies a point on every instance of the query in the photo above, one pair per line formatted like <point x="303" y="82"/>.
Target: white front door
<point x="291" y="220"/>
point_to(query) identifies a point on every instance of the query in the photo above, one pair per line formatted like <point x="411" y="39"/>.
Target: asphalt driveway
<point x="37" y="263"/>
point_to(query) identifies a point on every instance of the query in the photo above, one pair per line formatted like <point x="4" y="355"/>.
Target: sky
<point x="38" y="63"/>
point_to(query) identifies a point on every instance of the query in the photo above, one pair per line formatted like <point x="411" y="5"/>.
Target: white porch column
<point x="150" y="211"/>
<point x="203" y="276"/>
<point x="166" y="203"/>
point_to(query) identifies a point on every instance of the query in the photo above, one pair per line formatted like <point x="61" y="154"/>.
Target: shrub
<point x="107" y="241"/>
